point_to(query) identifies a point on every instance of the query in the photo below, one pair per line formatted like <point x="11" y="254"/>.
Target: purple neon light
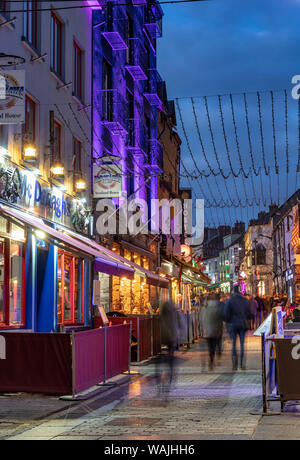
<point x="139" y="2"/>
<point x="96" y="4"/>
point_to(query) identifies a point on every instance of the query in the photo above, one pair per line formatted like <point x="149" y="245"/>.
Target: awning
<point x="104" y="263"/>
<point x="191" y="279"/>
<point x="134" y="248"/>
<point x="204" y="278"/>
<point x="152" y="278"/>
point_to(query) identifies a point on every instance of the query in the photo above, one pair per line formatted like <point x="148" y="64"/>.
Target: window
<point x="77" y="156"/>
<point x="78" y="56"/>
<point x="56" y="45"/>
<point x="70" y="289"/>
<point x="56" y="148"/>
<point x="31" y="23"/>
<point x="259" y="255"/>
<point x="107" y="98"/>
<point x="12" y="277"/>
<point x="30" y="113"/>
<point x="4" y="7"/>
<point x="129" y="41"/>
<point x="77" y="146"/>
<point x="130" y="116"/>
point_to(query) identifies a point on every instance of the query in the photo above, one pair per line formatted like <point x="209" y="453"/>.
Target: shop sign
<point x="289" y="275"/>
<point x="186" y="253"/>
<point x="12" y="97"/>
<point x="108" y="180"/>
<point x="24" y="189"/>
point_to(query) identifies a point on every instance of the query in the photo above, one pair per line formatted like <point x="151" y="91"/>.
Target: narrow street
<point x="202" y="405"/>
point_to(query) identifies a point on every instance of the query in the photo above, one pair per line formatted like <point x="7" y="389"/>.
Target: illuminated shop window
<point x="12" y="276"/>
<point x="70" y="289"/>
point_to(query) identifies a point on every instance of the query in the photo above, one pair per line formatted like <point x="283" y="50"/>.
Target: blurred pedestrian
<point x="238" y="317"/>
<point x="254" y="311"/>
<point x="169" y="337"/>
<point x="261" y="308"/>
<point x="212" y="326"/>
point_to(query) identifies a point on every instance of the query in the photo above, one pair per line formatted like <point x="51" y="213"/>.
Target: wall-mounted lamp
<point x="30" y="152"/>
<point x="40" y="235"/>
<point x="80" y="185"/>
<point x="58" y="169"/>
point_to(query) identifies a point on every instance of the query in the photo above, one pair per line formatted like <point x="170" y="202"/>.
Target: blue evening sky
<point x="235" y="46"/>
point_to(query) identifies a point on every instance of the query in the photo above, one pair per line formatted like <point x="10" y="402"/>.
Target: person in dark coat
<point x="212" y="326"/>
<point x="260" y="309"/>
<point x="238" y="317"/>
<point x="170" y="331"/>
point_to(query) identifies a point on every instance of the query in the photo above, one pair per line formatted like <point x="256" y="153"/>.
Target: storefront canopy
<point x="191" y="279"/>
<point x="103" y="263"/>
<point x="191" y="271"/>
<point x="152" y="278"/>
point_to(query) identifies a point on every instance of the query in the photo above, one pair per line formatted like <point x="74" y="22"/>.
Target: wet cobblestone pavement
<point x="201" y="405"/>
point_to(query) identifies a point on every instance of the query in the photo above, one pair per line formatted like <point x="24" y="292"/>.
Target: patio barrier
<point x="36" y="363"/>
<point x="62" y="364"/>
<point x="99" y="354"/>
<point x="145" y="330"/>
<point x="146" y="336"/>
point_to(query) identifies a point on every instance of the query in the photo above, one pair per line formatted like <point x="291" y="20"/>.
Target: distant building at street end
<point x="257" y="266"/>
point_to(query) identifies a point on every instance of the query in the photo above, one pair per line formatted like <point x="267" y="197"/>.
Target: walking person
<point x="170" y="331"/>
<point x="261" y="308"/>
<point x="212" y="326"/>
<point x="254" y="311"/>
<point x="238" y="317"/>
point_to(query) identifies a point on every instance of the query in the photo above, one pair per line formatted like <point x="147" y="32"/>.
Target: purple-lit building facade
<point x="127" y="96"/>
<point x="126" y="91"/>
